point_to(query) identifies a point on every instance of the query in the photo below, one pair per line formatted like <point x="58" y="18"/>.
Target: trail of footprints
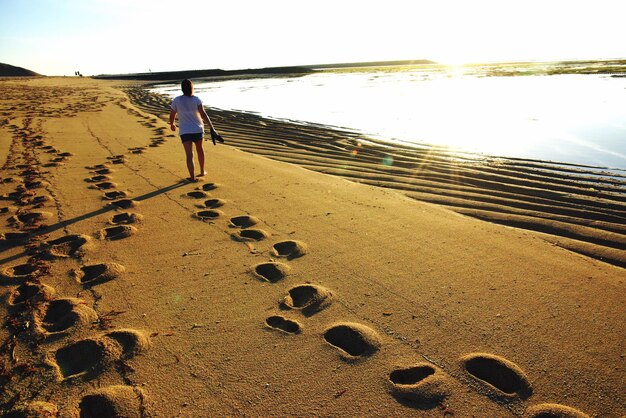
<point x="422" y="384"/>
<point x="38" y="314"/>
<point x="63" y="335"/>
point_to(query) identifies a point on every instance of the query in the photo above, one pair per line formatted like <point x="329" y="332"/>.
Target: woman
<point x="190" y="127"/>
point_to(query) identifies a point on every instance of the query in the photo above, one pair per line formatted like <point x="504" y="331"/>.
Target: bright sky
<point x="58" y="37"/>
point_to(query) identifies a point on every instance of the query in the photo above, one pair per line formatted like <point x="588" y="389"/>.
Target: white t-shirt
<point x="189" y="120"/>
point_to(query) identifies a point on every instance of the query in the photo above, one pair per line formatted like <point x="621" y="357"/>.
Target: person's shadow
<point x="108" y="208"/>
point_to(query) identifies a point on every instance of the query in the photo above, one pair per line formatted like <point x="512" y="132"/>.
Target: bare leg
<point x="200" y="152"/>
<point x="188" y="145"/>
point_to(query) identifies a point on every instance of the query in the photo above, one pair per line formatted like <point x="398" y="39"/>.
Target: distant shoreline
<point x="179" y="75"/>
<point x="613" y="67"/>
<point x="299" y="70"/>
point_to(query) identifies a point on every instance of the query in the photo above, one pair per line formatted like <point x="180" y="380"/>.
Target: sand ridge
<point x="580" y="208"/>
<point x="326" y="306"/>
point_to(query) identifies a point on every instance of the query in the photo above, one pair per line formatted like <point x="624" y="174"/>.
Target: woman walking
<point x="191" y="114"/>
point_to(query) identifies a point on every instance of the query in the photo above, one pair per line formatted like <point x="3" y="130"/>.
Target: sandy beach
<point x="312" y="272"/>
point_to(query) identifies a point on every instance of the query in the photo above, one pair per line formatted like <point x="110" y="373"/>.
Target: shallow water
<point x="578" y="119"/>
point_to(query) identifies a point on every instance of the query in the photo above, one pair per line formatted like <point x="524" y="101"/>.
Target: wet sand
<point x="407" y="282"/>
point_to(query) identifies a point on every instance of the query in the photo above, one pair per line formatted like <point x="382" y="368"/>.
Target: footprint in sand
<point x="30" y="294"/>
<point x="97" y="273"/>
<point x="62" y="314"/>
<point x="73" y="245"/>
<point x="105" y="185"/>
<point x="197" y="194"/>
<point x="35" y="409"/>
<point x="97" y="167"/>
<point x="353" y="341"/>
<point x="125" y="218"/>
<point x="271" y="272"/>
<point x="116" y="194"/>
<point x="8" y="209"/>
<point x="29" y="218"/>
<point x="250" y="235"/>
<point x="37" y="200"/>
<point x="114" y="233"/>
<point x="214" y="203"/>
<point x="88" y="358"/>
<point x="124" y="203"/>
<point x="421" y="383"/>
<point x="98" y="178"/>
<point x="243" y="221"/>
<point x="283" y="324"/>
<point x="137" y="150"/>
<point x="113" y="402"/>
<point x="16" y="195"/>
<point x="207" y="187"/>
<point x="499" y="376"/>
<point x="35" y="184"/>
<point x="82" y="359"/>
<point x="208" y="215"/>
<point x="289" y="249"/>
<point x="21" y="273"/>
<point x="31" y="172"/>
<point x="307" y="298"/>
<point x="551" y="410"/>
<point x="13" y="239"/>
<point x="103" y="171"/>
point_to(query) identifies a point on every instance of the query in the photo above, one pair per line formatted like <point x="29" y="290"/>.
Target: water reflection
<point x="569" y="118"/>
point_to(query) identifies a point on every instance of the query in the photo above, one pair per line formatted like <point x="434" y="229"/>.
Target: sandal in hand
<point x="216" y="137"/>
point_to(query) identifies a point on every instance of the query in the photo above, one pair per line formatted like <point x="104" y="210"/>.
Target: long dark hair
<point x="187" y="87"/>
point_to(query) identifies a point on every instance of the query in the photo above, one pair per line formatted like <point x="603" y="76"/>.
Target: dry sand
<point x="274" y="289"/>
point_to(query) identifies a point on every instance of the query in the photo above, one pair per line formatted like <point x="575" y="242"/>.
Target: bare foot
<point x="201" y="175"/>
<point x="192" y="180"/>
